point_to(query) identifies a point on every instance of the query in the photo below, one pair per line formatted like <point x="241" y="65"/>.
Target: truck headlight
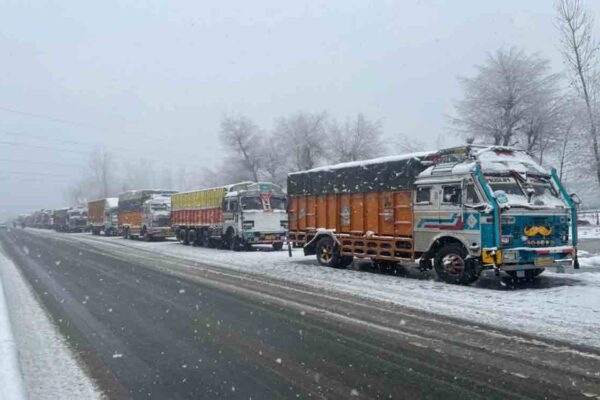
<point x="506" y="239"/>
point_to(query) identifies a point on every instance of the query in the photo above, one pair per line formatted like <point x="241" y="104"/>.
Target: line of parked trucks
<point x="459" y="211"/>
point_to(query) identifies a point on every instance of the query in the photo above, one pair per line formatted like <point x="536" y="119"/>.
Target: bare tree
<point x="275" y="160"/>
<point x="242" y="138"/>
<point x="357" y="139"/>
<point x="580" y="52"/>
<point x="101" y="166"/>
<point x="510" y="93"/>
<point x="304" y="134"/>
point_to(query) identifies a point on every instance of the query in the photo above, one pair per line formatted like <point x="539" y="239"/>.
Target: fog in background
<point x="152" y="80"/>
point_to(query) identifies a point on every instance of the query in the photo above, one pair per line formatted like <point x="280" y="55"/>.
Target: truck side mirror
<point x="575" y="199"/>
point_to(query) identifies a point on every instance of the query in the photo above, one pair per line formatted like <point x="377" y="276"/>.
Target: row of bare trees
<point x="514" y="99"/>
<point x="300" y="141"/>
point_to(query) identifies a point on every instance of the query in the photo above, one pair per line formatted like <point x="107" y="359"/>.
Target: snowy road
<point x="175" y="321"/>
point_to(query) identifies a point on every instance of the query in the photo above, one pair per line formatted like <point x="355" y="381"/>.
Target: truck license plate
<point x="544" y="261"/>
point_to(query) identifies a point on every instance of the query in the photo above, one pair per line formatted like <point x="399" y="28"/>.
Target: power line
<point x="40" y="163"/>
<point x="33" y="173"/>
<point x="46" y="117"/>
<point x="41" y="147"/>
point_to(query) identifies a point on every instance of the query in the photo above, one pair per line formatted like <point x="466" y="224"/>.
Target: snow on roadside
<point x="559" y="306"/>
<point x="49" y="369"/>
<point x="11" y="384"/>
<point x="588" y="232"/>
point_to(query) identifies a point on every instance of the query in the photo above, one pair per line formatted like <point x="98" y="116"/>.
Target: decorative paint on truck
<point x="131" y="213"/>
<point x="236" y="216"/>
<point x="458" y="210"/>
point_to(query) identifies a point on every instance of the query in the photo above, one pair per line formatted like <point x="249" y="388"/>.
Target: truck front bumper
<point x="522" y="259"/>
<point x="264" y="237"/>
<point x="160" y="232"/>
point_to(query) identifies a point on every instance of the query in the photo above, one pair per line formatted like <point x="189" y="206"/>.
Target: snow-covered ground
<point x="561" y="306"/>
<point x="589" y="232"/>
<point x="48" y="368"/>
<point x="11" y="384"/>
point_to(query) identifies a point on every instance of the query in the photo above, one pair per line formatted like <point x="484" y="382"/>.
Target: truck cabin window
<point x="471" y="195"/>
<point x="278" y="203"/>
<point x="252" y="203"/>
<point x="451" y="194"/>
<point x="233" y="205"/>
<point x="424" y="195"/>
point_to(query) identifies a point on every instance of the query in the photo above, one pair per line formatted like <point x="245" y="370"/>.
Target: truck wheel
<point x="182" y="237"/>
<point x="204" y="239"/>
<point x="125" y="233"/>
<point x="452" y="266"/>
<point x="235" y="243"/>
<point x="145" y="235"/>
<point x="192" y="237"/>
<point x="328" y="254"/>
<point x="277" y="246"/>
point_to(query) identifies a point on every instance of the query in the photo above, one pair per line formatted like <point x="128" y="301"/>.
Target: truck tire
<point x="235" y="243"/>
<point x="145" y="235"/>
<point x="277" y="246"/>
<point x="452" y="266"/>
<point x="328" y="254"/>
<point x="125" y="233"/>
<point x="204" y="238"/>
<point x="182" y="237"/>
<point x="192" y="237"/>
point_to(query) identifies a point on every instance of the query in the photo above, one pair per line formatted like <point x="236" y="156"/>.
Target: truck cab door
<point x="450" y="207"/>
<point x="426" y="216"/>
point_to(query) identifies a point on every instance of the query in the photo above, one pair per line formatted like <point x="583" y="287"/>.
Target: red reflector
<point x="543" y="251"/>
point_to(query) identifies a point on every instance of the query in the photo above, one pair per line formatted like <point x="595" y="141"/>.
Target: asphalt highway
<point x="147" y="326"/>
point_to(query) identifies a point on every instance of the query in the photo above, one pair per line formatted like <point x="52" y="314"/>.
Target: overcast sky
<point x="153" y="79"/>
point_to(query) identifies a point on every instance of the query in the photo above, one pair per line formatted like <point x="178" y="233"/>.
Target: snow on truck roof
<point x="492" y="159"/>
<point x="379" y="160"/>
<point x="400" y="172"/>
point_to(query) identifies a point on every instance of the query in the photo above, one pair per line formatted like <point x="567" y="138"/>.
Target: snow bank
<point x="11" y="385"/>
<point x="49" y="368"/>
<point x="588" y="232"/>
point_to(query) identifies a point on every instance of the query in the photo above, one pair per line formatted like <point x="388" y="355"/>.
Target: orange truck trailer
<point x="459" y="210"/>
<point x="140" y="217"/>
<point x="102" y="216"/>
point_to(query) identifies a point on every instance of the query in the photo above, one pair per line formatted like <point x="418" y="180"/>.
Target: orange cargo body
<point x="133" y="219"/>
<point x="375" y="225"/>
<point x="95" y="214"/>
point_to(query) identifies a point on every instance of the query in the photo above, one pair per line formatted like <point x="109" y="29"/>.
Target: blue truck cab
<point x="491" y="207"/>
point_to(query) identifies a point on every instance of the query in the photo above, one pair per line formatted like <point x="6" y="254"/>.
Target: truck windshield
<point x="278" y="203"/>
<point x="543" y="192"/>
<point x="252" y="203"/>
<point x="534" y="191"/>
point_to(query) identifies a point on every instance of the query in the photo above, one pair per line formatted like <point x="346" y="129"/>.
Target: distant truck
<point x="60" y="220"/>
<point x="77" y="219"/>
<point x="459" y="210"/>
<point x="103" y="216"/>
<point x="235" y="216"/>
<point x="145" y="214"/>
